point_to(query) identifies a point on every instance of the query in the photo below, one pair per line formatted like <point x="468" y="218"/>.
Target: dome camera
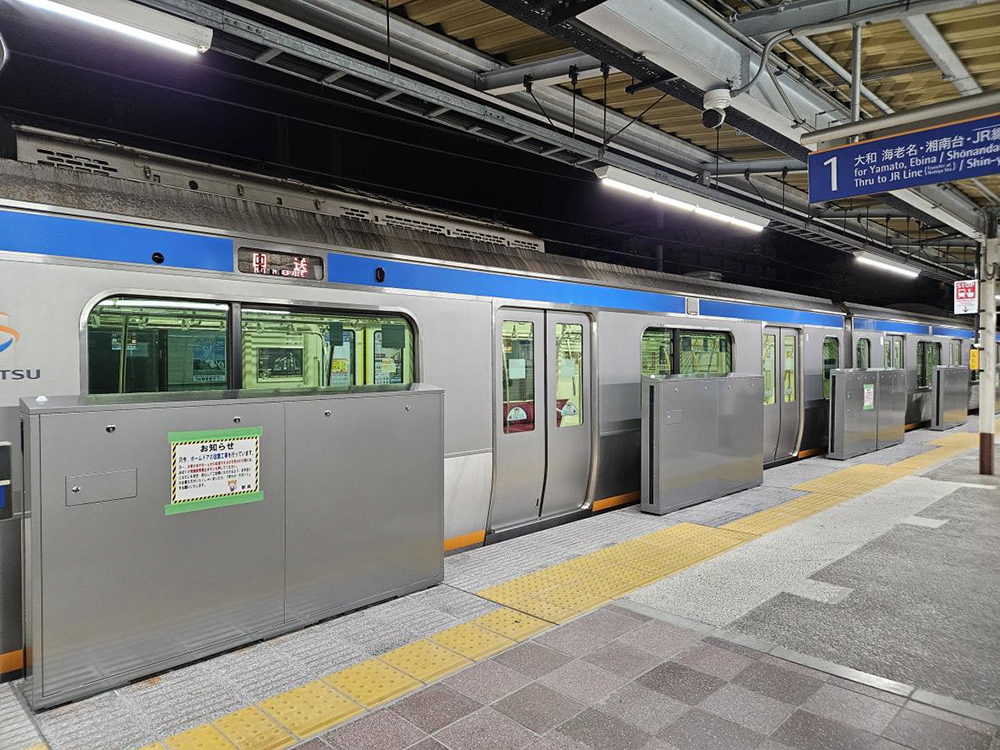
<point x="715" y="104"/>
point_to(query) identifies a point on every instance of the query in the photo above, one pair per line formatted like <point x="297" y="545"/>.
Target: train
<point x="128" y="271"/>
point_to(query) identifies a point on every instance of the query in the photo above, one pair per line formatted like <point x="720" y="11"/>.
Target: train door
<point x="780" y="368"/>
<point x="543" y="443"/>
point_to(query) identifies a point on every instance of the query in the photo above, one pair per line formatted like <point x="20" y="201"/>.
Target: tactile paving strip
<point x="311" y="708"/>
<point x="205" y="737"/>
<point x="512" y="624"/>
<point x="251" y="729"/>
<point x="425" y="661"/>
<point x="472" y="641"/>
<point x="852" y="482"/>
<point x="372" y="682"/>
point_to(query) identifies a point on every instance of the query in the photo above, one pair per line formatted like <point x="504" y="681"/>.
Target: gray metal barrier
<point x="890" y="407"/>
<point x="161" y="529"/>
<point x="853" y="414"/>
<point x="702" y="438"/>
<point x="949" y="397"/>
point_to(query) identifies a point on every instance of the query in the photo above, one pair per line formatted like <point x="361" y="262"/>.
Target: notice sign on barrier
<point x="213" y="468"/>
<point x="955" y="151"/>
<point x="966" y="297"/>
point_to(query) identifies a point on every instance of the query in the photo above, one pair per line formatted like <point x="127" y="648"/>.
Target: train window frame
<point x="868" y="353"/>
<point x="955" y="346"/>
<point x="527" y="422"/>
<point x="770" y="398"/>
<point x="828" y="368"/>
<point x="163" y="367"/>
<point x="673" y="337"/>
<point x="925" y="375"/>
<point x="367" y="338"/>
<point x="234" y="337"/>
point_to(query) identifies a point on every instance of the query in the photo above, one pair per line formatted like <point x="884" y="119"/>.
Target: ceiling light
<point x="886" y="265"/>
<point x="136" y="21"/>
<point x="680" y="198"/>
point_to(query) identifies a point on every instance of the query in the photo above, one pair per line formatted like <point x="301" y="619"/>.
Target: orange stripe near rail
<point x="915" y="425"/>
<point x="614" y="502"/>
<point x="810" y="452"/>
<point x="465" y="540"/>
<point x="11" y="661"/>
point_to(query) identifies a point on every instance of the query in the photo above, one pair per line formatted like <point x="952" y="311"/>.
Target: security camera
<point x="714" y="105"/>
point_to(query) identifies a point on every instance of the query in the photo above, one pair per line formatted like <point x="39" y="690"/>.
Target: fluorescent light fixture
<point x="136" y="21"/>
<point x="678" y="198"/>
<point x="876" y="261"/>
<point x="160" y="304"/>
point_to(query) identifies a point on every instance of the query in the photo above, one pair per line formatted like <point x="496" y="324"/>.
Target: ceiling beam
<point x="552" y="71"/>
<point x="793" y="15"/>
<point x="924" y="31"/>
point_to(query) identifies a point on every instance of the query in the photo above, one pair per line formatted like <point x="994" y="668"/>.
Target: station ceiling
<point x="438" y="51"/>
<point x="896" y="68"/>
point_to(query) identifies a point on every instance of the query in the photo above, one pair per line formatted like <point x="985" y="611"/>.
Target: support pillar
<point x="988" y="340"/>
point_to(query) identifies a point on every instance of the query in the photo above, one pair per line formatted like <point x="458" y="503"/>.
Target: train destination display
<point x="286" y="265"/>
<point x="955" y="151"/>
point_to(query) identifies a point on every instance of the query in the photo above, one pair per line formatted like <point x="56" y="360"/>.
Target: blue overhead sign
<point x="955" y="151"/>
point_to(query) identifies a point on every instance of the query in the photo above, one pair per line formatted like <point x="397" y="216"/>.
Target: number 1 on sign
<point x="832" y="163"/>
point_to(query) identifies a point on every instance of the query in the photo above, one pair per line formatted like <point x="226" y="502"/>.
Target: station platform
<point x="840" y="605"/>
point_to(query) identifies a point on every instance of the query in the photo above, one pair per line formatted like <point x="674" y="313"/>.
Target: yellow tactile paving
<point x="424" y="660"/>
<point x="251" y="729"/>
<point x="512" y="624"/>
<point x="154" y="746"/>
<point x="472" y="641"/>
<point x="853" y="481"/>
<point x="205" y="737"/>
<point x="372" y="682"/>
<point x="311" y="708"/>
<point x="538" y="608"/>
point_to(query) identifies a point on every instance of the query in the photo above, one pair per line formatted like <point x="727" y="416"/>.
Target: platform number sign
<point x="966" y="297"/>
<point x="953" y="151"/>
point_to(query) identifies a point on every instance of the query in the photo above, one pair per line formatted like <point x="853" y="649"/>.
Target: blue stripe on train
<point x="889" y="326"/>
<point x="97" y="240"/>
<point x="957" y="333"/>
<point x="746" y="311"/>
<point x="354" y="269"/>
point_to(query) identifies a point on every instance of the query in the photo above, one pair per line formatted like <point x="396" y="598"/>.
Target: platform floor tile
<point x="426" y="661"/>
<point x="204" y="737"/>
<point x="372" y="682"/>
<point x="472" y="641"/>
<point x="251" y="729"/>
<point x="310" y="709"/>
<point x="512" y="624"/>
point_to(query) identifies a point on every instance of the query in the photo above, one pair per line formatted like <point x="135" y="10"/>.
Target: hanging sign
<point x="212" y="468"/>
<point x="955" y="151"/>
<point x="966" y="297"/>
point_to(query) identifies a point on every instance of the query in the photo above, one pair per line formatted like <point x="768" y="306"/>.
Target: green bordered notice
<point x="213" y="468"/>
<point x="869" y="397"/>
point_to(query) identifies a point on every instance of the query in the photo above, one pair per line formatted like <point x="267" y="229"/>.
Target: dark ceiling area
<point x="227" y="112"/>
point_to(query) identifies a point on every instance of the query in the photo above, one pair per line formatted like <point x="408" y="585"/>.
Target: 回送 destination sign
<point x="921" y="157"/>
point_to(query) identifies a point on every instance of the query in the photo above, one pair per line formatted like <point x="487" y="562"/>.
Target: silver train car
<point x="127" y="271"/>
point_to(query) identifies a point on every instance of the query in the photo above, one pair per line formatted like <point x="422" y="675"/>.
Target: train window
<point x="928" y="357"/>
<point x="150" y="345"/>
<point x="788" y="348"/>
<point x="864" y="357"/>
<point x="518" y="376"/>
<point x="657" y="352"/>
<point x="705" y="353"/>
<point x="767" y="367"/>
<point x="955" y="352"/>
<point x="298" y="349"/>
<point x="569" y="374"/>
<point x="831" y="361"/>
<point x="894" y="352"/>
